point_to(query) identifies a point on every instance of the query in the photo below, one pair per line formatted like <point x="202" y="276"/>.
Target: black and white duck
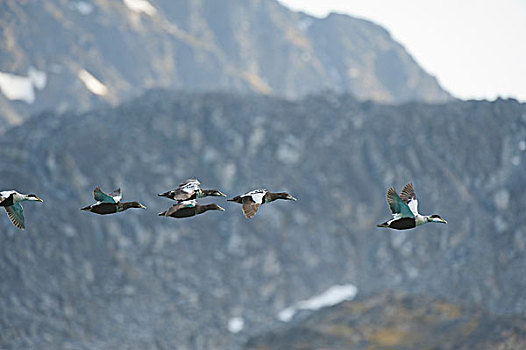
<point x="405" y="210"/>
<point x="253" y="199"/>
<point x="189" y="190"/>
<point x="110" y="203"/>
<point x="11" y="201"/>
<point x="189" y="208"/>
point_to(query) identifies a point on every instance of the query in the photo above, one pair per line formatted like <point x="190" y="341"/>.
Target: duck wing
<point x="256" y="195"/>
<point x="6" y="198"/>
<point x="250" y="207"/>
<point x="16" y="215"/>
<point x="408" y="196"/>
<point x="398" y="207"/>
<point x="100" y="196"/>
<point x="190" y="181"/>
<point x="176" y="207"/>
<point x="116" y="195"/>
<point x="186" y="190"/>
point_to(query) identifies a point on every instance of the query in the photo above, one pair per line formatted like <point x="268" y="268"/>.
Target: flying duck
<point x="110" y="203"/>
<point x="189" y="208"/>
<point x="405" y="210"/>
<point x="10" y="200"/>
<point x="190" y="190"/>
<point x="253" y="199"/>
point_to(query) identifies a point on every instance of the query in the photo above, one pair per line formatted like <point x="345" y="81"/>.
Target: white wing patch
<point x="116" y="195"/>
<point x="413" y="205"/>
<point x="257" y="195"/>
<point x="5" y="194"/>
<point x="190" y="187"/>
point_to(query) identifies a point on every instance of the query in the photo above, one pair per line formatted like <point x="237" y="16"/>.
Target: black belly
<point x="403" y="224"/>
<point x="104" y="208"/>
<point x="6" y="202"/>
<point x="184" y="213"/>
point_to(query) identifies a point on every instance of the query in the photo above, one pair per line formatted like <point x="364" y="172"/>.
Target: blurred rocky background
<point x="334" y="137"/>
<point x="78" y="279"/>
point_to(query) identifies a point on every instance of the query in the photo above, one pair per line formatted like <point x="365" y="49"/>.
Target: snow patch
<point x="304" y="24"/>
<point x="92" y="83"/>
<point x="502" y="199"/>
<point x="17" y="87"/>
<point x="38" y="78"/>
<point x="236" y="324"/>
<point x="82" y="7"/>
<point x="140" y="6"/>
<point x="332" y="296"/>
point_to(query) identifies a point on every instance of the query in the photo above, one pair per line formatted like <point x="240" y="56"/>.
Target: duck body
<point x="404" y="208"/>
<point x="11" y="201"/>
<point x="251" y="201"/>
<point x="189" y="208"/>
<point x="102" y="208"/>
<point x="189" y="190"/>
<point x="110" y="203"/>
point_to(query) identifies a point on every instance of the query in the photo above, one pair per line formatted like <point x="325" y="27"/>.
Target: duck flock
<point x="404" y="207"/>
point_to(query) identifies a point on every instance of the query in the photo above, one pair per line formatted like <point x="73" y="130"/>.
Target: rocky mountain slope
<point x="399" y="322"/>
<point x="74" y="54"/>
<point x="76" y="280"/>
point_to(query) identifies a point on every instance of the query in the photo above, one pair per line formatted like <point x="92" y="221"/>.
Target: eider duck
<point x="189" y="208"/>
<point x="253" y="199"/>
<point x="10" y="200"/>
<point x="405" y="210"/>
<point x="110" y="203"/>
<point x="189" y="190"/>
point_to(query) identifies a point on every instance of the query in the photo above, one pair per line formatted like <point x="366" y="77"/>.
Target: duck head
<point x="436" y="218"/>
<point x="285" y="195"/>
<point x="213" y="206"/>
<point x="32" y="197"/>
<point x="215" y="193"/>
<point x="135" y="204"/>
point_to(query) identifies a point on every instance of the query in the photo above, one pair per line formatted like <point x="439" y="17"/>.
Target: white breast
<point x="420" y="220"/>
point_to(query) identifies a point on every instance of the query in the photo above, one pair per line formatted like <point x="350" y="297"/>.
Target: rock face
<point x="135" y="280"/>
<point x="399" y="322"/>
<point x="93" y="52"/>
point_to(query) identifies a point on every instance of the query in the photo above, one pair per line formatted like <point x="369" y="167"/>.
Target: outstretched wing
<point x="185" y="191"/>
<point x="190" y="181"/>
<point x="16" y="215"/>
<point x="116" y="195"/>
<point x="398" y="207"/>
<point x="250" y="207"/>
<point x="102" y="197"/>
<point x="176" y="207"/>
<point x="408" y="195"/>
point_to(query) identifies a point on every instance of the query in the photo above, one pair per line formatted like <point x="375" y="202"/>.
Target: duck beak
<point x="142" y="206"/>
<point x="221" y="194"/>
<point x="292" y="198"/>
<point x="220" y="208"/>
<point x="443" y="221"/>
<point x="39" y="200"/>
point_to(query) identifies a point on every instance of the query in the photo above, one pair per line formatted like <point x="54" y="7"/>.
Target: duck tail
<point x="162" y="214"/>
<point x="88" y="208"/>
<point x="385" y="224"/>
<point x="235" y="199"/>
